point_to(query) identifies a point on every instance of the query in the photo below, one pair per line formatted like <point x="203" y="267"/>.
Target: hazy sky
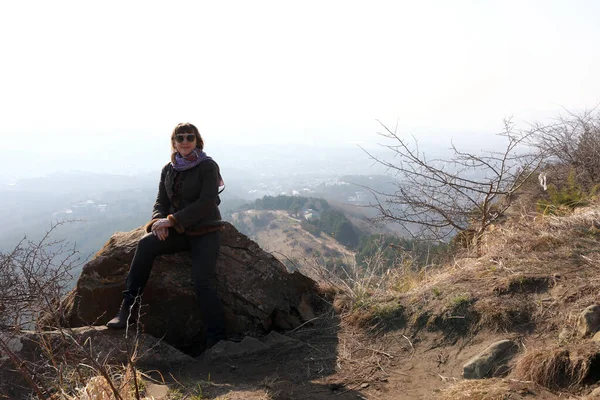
<point x="310" y="72"/>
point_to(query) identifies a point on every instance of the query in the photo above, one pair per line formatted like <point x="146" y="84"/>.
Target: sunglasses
<point x="189" y="137"/>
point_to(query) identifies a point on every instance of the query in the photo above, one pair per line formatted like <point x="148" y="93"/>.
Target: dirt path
<point x="307" y="370"/>
<point x="330" y="361"/>
<point x="335" y="362"/>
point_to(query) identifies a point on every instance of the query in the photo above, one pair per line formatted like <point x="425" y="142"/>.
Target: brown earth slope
<point x="407" y="335"/>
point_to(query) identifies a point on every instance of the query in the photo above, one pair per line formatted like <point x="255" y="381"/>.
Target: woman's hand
<point x="162" y="223"/>
<point x="161" y="228"/>
<point x="161" y="233"/>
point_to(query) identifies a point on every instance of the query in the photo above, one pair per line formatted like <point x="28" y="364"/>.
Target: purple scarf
<point x="192" y="160"/>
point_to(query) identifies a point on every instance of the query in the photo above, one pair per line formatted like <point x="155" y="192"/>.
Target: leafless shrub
<point x="70" y="364"/>
<point x="33" y="278"/>
<point x="572" y="140"/>
<point x="436" y="198"/>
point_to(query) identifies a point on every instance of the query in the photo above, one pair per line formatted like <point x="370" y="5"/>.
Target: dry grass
<point x="559" y="368"/>
<point x="99" y="388"/>
<point x="367" y="296"/>
<point x="490" y="389"/>
<point x="503" y="315"/>
<point x="525" y="283"/>
<point x="529" y="275"/>
<point x="532" y="232"/>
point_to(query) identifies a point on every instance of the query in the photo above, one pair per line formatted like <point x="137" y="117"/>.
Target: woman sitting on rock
<point x="185" y="217"/>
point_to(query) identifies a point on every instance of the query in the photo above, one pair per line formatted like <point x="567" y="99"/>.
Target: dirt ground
<point x="343" y="362"/>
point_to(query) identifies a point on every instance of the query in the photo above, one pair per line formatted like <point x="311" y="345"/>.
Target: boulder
<point x="257" y="291"/>
<point x="589" y="320"/>
<point x="485" y="364"/>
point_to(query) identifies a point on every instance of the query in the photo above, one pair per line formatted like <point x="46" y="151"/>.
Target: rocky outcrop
<point x="100" y="343"/>
<point x="257" y="291"/>
<point x="38" y="353"/>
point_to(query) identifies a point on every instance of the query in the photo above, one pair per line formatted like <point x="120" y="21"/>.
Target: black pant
<point x="204" y="250"/>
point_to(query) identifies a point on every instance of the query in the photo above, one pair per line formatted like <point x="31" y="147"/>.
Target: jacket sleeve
<point x="162" y="204"/>
<point x="206" y="202"/>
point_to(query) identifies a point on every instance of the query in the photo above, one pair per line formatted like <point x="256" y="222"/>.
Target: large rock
<point x="486" y="363"/>
<point x="257" y="291"/>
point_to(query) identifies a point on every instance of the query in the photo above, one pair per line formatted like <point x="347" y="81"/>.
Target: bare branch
<point x="436" y="198"/>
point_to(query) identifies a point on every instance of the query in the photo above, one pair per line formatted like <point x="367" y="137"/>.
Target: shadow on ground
<point x="301" y="367"/>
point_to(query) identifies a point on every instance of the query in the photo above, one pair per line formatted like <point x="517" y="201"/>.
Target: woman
<point x="185" y="217"/>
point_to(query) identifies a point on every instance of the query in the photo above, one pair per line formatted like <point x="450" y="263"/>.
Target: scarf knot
<point x="192" y="160"/>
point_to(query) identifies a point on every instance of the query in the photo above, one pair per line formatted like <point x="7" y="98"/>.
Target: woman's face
<point x="183" y="145"/>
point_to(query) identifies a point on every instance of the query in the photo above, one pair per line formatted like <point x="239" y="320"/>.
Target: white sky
<point x="314" y="72"/>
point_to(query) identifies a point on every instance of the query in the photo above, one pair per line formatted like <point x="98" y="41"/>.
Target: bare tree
<point x="435" y="199"/>
<point x="572" y="140"/>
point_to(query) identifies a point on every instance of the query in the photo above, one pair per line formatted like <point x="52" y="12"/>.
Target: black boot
<point x="127" y="311"/>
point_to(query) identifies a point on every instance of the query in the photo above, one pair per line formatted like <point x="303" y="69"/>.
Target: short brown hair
<point x="183" y="128"/>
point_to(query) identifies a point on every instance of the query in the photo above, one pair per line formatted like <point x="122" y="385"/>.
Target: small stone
<point x="225" y="348"/>
<point x="274" y="339"/>
<point x="250" y="345"/>
<point x="157" y="392"/>
<point x="364" y="385"/>
<point x="565" y="334"/>
<point x="589" y="320"/>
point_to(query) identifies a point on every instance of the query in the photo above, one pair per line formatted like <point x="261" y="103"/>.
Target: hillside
<point x="409" y="336"/>
<point x="534" y="277"/>
<point x="282" y="235"/>
<point x="405" y="333"/>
